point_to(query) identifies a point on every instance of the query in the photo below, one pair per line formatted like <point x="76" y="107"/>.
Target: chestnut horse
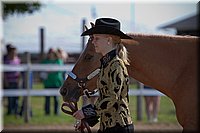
<point x="166" y="63"/>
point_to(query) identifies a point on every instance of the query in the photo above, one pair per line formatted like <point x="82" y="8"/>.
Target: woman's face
<point x="101" y="43"/>
<point x="13" y="52"/>
<point x="52" y="56"/>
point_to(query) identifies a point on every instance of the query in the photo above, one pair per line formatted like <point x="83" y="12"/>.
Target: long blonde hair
<point x="120" y="49"/>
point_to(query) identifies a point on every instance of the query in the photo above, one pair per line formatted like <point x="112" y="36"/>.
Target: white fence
<point x="36" y="67"/>
<point x="55" y="92"/>
<point x="52" y="92"/>
<point x="28" y="92"/>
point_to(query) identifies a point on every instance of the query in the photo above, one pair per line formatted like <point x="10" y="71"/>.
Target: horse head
<point x="81" y="76"/>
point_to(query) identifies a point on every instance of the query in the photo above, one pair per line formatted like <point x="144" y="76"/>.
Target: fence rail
<point x="52" y="92"/>
<point x="55" y="92"/>
<point x="37" y="67"/>
<point x="28" y="91"/>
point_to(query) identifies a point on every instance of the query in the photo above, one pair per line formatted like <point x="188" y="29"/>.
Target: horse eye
<point x="91" y="37"/>
<point x="88" y="57"/>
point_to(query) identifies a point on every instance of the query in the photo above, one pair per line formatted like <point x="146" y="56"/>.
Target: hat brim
<point x="105" y="30"/>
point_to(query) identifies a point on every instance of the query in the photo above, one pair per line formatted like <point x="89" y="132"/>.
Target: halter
<point x="73" y="106"/>
<point x="82" y="81"/>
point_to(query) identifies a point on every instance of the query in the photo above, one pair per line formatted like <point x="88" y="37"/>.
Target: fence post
<point x="42" y="42"/>
<point x="139" y="104"/>
<point x="83" y="29"/>
<point x="27" y="85"/>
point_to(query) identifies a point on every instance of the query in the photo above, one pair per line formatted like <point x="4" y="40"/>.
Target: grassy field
<point x="166" y="113"/>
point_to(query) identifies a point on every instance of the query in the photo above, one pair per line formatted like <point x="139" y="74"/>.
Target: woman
<point x="112" y="104"/>
<point x="12" y="80"/>
<point x="53" y="80"/>
<point x="152" y="104"/>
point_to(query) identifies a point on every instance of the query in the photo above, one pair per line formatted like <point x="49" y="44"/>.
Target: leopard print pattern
<point x="112" y="104"/>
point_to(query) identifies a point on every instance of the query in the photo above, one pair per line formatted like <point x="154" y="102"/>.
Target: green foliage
<point x="19" y="8"/>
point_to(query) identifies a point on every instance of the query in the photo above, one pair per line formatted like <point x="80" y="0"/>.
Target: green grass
<point x="166" y="113"/>
<point x="38" y="115"/>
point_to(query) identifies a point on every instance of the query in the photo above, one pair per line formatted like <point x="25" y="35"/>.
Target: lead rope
<point x="73" y="107"/>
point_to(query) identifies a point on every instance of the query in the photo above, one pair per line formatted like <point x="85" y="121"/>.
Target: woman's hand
<point x="79" y="115"/>
<point x="77" y="125"/>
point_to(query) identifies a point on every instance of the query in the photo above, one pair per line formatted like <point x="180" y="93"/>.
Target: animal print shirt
<point x="112" y="104"/>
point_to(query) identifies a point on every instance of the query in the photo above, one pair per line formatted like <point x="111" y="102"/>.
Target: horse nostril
<point x="63" y="91"/>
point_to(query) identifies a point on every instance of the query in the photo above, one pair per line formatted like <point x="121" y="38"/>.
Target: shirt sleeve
<point x="116" y="79"/>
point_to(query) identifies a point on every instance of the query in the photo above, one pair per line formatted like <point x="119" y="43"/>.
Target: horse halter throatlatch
<point x="73" y="106"/>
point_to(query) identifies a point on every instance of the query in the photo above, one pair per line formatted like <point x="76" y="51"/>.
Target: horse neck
<point x="158" y="61"/>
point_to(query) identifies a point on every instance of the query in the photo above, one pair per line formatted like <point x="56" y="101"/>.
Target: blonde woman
<point x="112" y="104"/>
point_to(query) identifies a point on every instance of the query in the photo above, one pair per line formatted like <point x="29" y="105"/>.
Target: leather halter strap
<point x="73" y="107"/>
<point x="89" y="77"/>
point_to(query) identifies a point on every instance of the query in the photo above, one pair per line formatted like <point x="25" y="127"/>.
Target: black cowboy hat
<point x="106" y="26"/>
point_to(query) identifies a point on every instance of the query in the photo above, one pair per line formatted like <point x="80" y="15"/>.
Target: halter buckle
<point x="81" y="84"/>
<point x="86" y="92"/>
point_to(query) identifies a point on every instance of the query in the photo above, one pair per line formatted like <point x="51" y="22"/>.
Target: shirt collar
<point x="107" y="58"/>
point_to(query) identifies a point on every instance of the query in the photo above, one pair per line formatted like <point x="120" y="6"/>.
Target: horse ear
<point x="86" y="27"/>
<point x="92" y="24"/>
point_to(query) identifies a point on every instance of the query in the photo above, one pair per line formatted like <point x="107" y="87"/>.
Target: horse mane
<point x="170" y="37"/>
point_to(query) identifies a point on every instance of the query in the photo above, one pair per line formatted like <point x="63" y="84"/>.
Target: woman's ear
<point x="109" y="39"/>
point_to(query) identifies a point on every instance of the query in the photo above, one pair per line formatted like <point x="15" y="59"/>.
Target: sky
<point x="62" y="21"/>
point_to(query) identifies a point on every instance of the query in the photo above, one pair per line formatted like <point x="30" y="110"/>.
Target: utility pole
<point x="41" y="43"/>
<point x="83" y="29"/>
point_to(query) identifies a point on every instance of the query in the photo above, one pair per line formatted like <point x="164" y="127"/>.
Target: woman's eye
<point x="88" y="57"/>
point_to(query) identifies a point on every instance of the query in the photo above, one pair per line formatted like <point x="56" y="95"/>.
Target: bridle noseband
<point x="82" y="81"/>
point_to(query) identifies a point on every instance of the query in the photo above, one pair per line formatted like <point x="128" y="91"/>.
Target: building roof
<point x="189" y="22"/>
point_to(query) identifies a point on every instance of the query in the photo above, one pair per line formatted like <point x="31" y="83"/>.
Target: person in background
<point x="53" y="80"/>
<point x="12" y="80"/>
<point x="63" y="55"/>
<point x="8" y="48"/>
<point x="152" y="104"/>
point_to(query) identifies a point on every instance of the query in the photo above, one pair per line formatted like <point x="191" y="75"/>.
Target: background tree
<point x="19" y="8"/>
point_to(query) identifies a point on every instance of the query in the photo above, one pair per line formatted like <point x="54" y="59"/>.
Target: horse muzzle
<point x="70" y="94"/>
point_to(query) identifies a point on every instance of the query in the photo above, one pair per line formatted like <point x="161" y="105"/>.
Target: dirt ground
<point x="155" y="127"/>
